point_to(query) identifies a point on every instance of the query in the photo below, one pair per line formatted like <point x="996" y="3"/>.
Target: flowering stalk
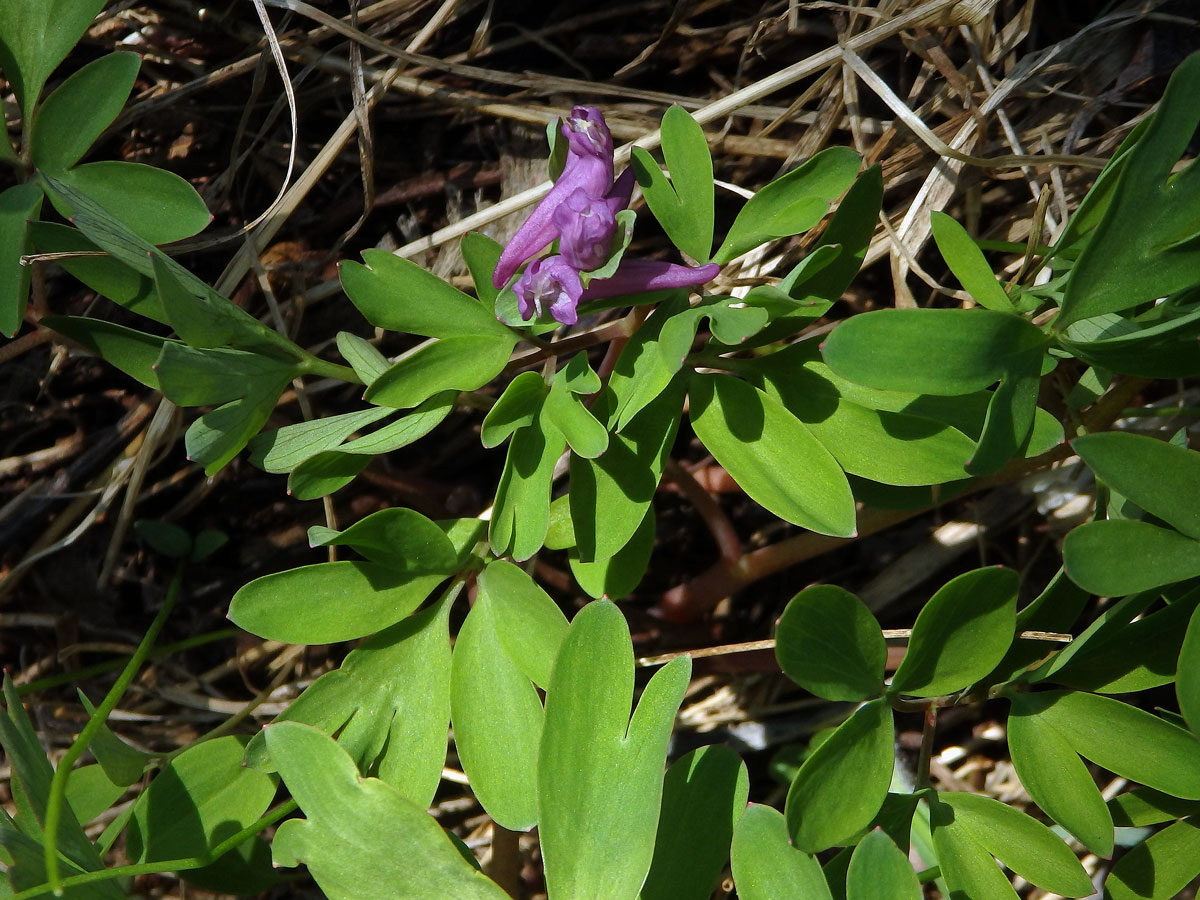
<point x="580" y="212"/>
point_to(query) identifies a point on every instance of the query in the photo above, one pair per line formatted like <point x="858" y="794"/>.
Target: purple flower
<point x="588" y="134"/>
<point x="551" y="283"/>
<point x="589" y="167"/>
<point x="580" y="213"/>
<point x="637" y="276"/>
<point x="585" y="229"/>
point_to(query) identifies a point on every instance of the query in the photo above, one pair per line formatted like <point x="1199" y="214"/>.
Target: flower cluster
<point x="580" y="212"/>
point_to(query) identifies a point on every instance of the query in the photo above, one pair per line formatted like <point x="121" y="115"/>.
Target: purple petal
<point x="585" y="228"/>
<point x="581" y="172"/>
<point x="551" y="283"/>
<point x="636" y="276"/>
<point x="621" y="192"/>
<point x="588" y="134"/>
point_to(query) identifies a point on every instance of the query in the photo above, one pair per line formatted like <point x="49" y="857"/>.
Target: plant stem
<point x="315" y="366"/>
<point x="166" y="865"/>
<point x="928" y="731"/>
<point x="58" y="785"/>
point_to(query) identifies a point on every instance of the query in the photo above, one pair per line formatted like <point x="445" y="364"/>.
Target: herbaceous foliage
<point x="893" y="406"/>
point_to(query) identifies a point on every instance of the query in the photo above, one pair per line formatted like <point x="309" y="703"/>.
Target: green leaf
<point x="1059" y="782"/>
<point x="217" y="437"/>
<point x="617" y="576"/>
<point x="961" y="634"/>
<point x="1160" y="867"/>
<point x="481" y="254"/>
<point x="354" y="826"/>
<point x="966" y="412"/>
<point x="763" y="446"/>
<point x="395" y="725"/>
<point x="328" y="602"/>
<point x="828" y="642"/>
<point x="1144" y="247"/>
<point x="1117" y="655"/>
<point x="529" y="625"/>
<point x="577" y="376"/>
<point x="207" y="542"/>
<point x="967" y="262"/>
<point x="201" y="797"/>
<point x="765" y="864"/>
<point x="324" y="473"/>
<point x="401" y="539"/>
<point x="704" y="795"/>
<point x="1056" y="608"/>
<point x="416" y="729"/>
<point x="1010" y="414"/>
<point x="879" y="870"/>
<point x="886" y="446"/>
<point x="642" y="371"/>
<point x="207" y="377"/>
<point x="77" y="112"/>
<point x="1158" y="476"/>
<point x="567" y="413"/>
<point x="517" y="407"/>
<point x="398" y="295"/>
<point x="1187" y="684"/>
<point x="110" y="235"/>
<point x="930" y="351"/>
<point x="366" y="361"/>
<point x="792" y="203"/>
<point x="850" y="229"/>
<point x="91" y="792"/>
<point x="18" y="205"/>
<point x="283" y="449"/>
<point x="1124" y="556"/>
<point x="497" y="717"/>
<point x="684" y="205"/>
<point x="25" y="861"/>
<point x="30" y="777"/>
<point x="202" y="318"/>
<point x="1146" y="806"/>
<point x="842" y="784"/>
<point x="122" y="764"/>
<point x="1161" y="345"/>
<point x="106" y="275"/>
<point x="521" y="515"/>
<point x="967" y="867"/>
<point x="133" y="352"/>
<point x="736" y="321"/>
<point x="36" y="37"/>
<point x="156" y="205"/>
<point x="166" y="538"/>
<point x="1121" y="738"/>
<point x="406" y="429"/>
<point x="610" y="495"/>
<point x="600" y="773"/>
<point x="461" y="363"/>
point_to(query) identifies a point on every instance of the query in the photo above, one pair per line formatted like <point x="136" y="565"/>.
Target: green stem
<point x="165" y="865"/>
<point x="928" y="731"/>
<point x="58" y="785"/>
<point x="315" y="366"/>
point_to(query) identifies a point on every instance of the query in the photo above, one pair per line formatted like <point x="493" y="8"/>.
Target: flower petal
<point x="585" y="172"/>
<point x="636" y="276"/>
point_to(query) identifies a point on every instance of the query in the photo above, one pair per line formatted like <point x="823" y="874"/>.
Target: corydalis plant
<point x="580" y="212"/>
